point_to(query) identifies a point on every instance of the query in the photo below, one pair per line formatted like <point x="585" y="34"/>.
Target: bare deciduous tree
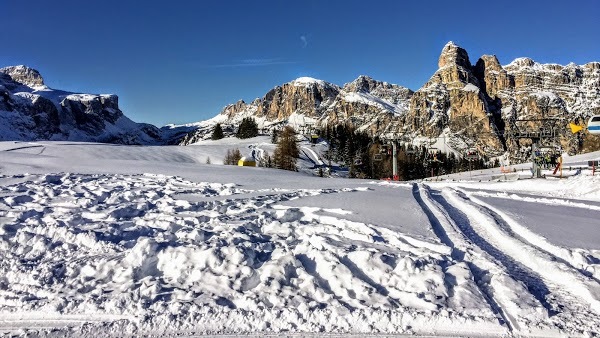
<point x="287" y="150"/>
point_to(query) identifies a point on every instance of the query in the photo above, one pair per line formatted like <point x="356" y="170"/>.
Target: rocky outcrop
<point x="24" y="75"/>
<point x="454" y="100"/>
<point x="305" y="96"/>
<point x="29" y="110"/>
<point x="391" y="93"/>
<point x="491" y="76"/>
<point x="368" y="104"/>
<point x="476" y="105"/>
<point x="551" y="94"/>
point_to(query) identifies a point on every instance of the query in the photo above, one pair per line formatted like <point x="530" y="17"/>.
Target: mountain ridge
<point x="468" y="105"/>
<point x="485" y="97"/>
<point x="30" y="111"/>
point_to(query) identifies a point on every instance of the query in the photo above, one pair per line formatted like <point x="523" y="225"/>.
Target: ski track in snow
<point x="127" y="246"/>
<point x="312" y="156"/>
<point x="561" y="292"/>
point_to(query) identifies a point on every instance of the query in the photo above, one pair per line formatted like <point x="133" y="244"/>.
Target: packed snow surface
<point x="122" y="240"/>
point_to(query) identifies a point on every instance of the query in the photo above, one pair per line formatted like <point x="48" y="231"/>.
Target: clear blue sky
<point x="182" y="61"/>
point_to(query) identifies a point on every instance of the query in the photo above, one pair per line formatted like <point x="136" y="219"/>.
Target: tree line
<point x="363" y="156"/>
<point x="248" y="128"/>
<point x="371" y="157"/>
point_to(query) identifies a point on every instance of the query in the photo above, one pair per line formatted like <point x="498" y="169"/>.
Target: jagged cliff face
<point x="367" y="103"/>
<point x="475" y="104"/>
<point x="572" y="91"/>
<point x="525" y="89"/>
<point x="304" y="96"/>
<point x="24" y="75"/>
<point x="453" y="99"/>
<point x="29" y="110"/>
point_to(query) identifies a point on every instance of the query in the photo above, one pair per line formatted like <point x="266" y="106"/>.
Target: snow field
<point x="543" y="275"/>
<point x="495" y="289"/>
<point x="107" y="250"/>
<point x="128" y="246"/>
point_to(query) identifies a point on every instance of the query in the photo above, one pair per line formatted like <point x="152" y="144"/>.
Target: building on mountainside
<point x="247" y="161"/>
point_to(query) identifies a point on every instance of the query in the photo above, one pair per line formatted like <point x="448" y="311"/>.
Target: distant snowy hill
<point x="30" y="110"/>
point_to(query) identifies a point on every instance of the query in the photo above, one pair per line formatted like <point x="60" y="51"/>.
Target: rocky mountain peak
<point x="452" y="54"/>
<point x="492" y="77"/>
<point x="36" y="112"/>
<point x="592" y="66"/>
<point x="488" y="63"/>
<point x="367" y="84"/>
<point x="472" y="106"/>
<point x="390" y="92"/>
<point x="24" y="75"/>
<point x="520" y="63"/>
<point x="232" y="109"/>
<point x="304" y="95"/>
<point x="362" y="84"/>
<point x="306" y="81"/>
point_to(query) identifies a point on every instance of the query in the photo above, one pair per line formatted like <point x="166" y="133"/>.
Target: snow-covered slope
<point x="122" y="240"/>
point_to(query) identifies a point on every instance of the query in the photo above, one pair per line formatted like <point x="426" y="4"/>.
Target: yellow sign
<point x="575" y="128"/>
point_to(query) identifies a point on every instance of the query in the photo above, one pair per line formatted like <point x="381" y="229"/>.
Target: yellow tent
<point x="247" y="162"/>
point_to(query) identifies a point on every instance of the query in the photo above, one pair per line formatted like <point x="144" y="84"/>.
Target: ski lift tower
<point x="393" y="136"/>
<point x="548" y="132"/>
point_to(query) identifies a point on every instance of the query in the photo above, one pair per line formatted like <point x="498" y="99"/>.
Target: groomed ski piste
<point x="106" y="240"/>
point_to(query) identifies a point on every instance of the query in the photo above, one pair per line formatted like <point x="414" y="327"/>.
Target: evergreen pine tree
<point x="274" y="136"/>
<point x="217" y="133"/>
<point x="248" y="128"/>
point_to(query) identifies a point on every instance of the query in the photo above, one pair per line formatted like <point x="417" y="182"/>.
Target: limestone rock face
<point x="453" y="56"/>
<point x="492" y="77"/>
<point x="306" y="96"/>
<point x="578" y="86"/>
<point x="233" y="109"/>
<point x="369" y="104"/>
<point x="392" y="93"/>
<point x="475" y="105"/>
<point x="570" y="93"/>
<point x="366" y="103"/>
<point x="454" y="99"/>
